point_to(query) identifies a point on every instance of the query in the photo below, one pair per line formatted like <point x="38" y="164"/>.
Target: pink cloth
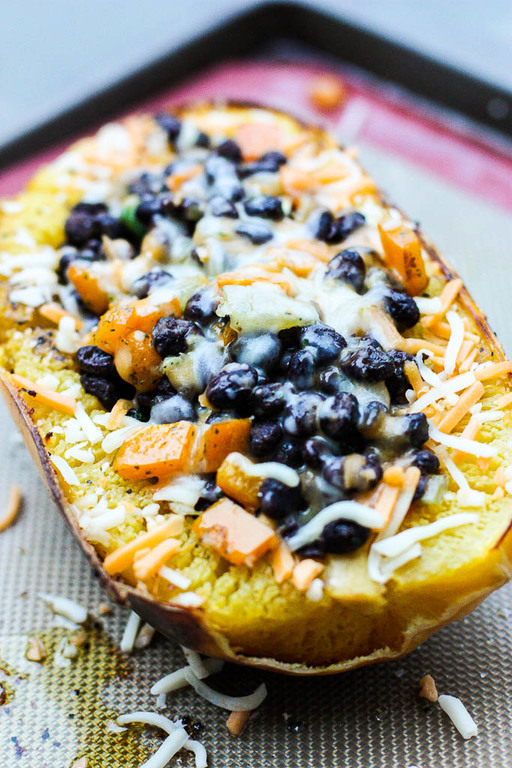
<point x="377" y="117"/>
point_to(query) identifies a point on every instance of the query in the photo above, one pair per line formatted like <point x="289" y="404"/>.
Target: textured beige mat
<point x="370" y="718"/>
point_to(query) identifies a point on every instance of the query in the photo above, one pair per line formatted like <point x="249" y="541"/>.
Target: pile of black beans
<point x="84" y="228"/>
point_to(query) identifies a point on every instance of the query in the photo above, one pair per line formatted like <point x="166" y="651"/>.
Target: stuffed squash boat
<point x="273" y="417"/>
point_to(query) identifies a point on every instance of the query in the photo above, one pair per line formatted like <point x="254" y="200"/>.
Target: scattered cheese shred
<point x="470" y="397"/>
<point x="470" y="432"/>
<point x="236" y="722"/>
<point x="65" y="607"/>
<point x="455" y="342"/>
<point x="348" y="510"/>
<point x="305" y="572"/>
<point x="483" y="373"/>
<point x="505" y="401"/>
<point x="68" y="475"/>
<point x="460" y="443"/>
<point x="176" y="680"/>
<point x="459" y="716"/>
<point x="448" y="295"/>
<point x="55" y="313"/>
<point x="123" y="557"/>
<point x="130" y="633"/>
<point x="232" y="703"/>
<point x="151" y="563"/>
<point x="282" y="562"/>
<point x="44" y="395"/>
<point x="12" y="509"/>
<point x="400" y="542"/>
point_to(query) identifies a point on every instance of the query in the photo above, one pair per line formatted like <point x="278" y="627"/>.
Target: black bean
<point x="398" y="383"/>
<point x="323" y="225"/>
<point x="420" y="488"/>
<point x="81" y="227"/>
<point x="348" y="266"/>
<point x="203" y="140"/>
<point x="371" y="474"/>
<point x="333" y="471"/>
<point x="301" y="369"/>
<point x="268" y="400"/>
<point x="221" y="175"/>
<point x="264" y="206"/>
<point x="323" y="341"/>
<point x="338" y="419"/>
<point x="299" y="415"/>
<point x="143" y="285"/>
<point x="426" y="461"/>
<point x="171" y="336"/>
<point x="331" y="380"/>
<point x="290" y="337"/>
<point x="159" y="205"/>
<point x="232" y="387"/>
<point x="210" y="494"/>
<point x="230" y="150"/>
<point x="69" y="257"/>
<point x="137" y="413"/>
<point x="289" y="453"/>
<point x="171" y="125"/>
<point x="201" y="307"/>
<point x="267" y="163"/>
<point x="342" y="536"/>
<point x="219" y="206"/>
<point x="147" y="184"/>
<point x="255" y="232"/>
<point x="315" y="549"/>
<point x="191" y="209"/>
<point x="108" y="392"/>
<point x="367" y="362"/>
<point x="402" y="308"/>
<point x="262" y="350"/>
<point x="112" y="227"/>
<point x="265" y="435"/>
<point x="343" y="226"/>
<point x="92" y="359"/>
<point x="371" y="417"/>
<point x="277" y="499"/>
<point x="93" y="209"/>
<point x="416" y="429"/>
<point x="315" y="451"/>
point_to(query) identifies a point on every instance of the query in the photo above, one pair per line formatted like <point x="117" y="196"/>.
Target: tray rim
<point x="240" y="32"/>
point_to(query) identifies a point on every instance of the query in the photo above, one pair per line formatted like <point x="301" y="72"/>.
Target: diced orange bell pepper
<point x="218" y="441"/>
<point x="88" y="286"/>
<point x="402" y="250"/>
<point x="157" y="451"/>
<point x="137" y="361"/>
<point x="235" y="534"/>
<point x="239" y="485"/>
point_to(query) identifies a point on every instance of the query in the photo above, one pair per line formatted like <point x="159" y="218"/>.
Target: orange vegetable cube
<point x="234" y="533"/>
<point x="239" y="485"/>
<point x="88" y="286"/>
<point x="218" y="441"/>
<point x="402" y="250"/>
<point x="157" y="451"/>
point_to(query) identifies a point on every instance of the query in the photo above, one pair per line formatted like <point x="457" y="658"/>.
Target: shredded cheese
<point x="400" y="542"/>
<point x="176" y="680"/>
<point x="459" y="715"/>
<point x="347" y="510"/>
<point x="454" y="343"/>
<point x="65" y="607"/>
<point x="460" y="443"/>
<point x="68" y="475"/>
<point x="174" y="577"/>
<point x="130" y="633"/>
<point x="232" y="703"/>
<point x="456" y="384"/>
<point x="195" y="663"/>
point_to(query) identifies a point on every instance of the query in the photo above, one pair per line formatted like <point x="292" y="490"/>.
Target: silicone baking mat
<point x="461" y="192"/>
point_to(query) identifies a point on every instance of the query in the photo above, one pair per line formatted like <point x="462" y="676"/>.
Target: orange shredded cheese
<point x="118" y="413"/>
<point x="55" y="313"/>
<point x="505" y="401"/>
<point x="124" y="556"/>
<point x="315" y="248"/>
<point x="304" y="573"/>
<point x="493" y="371"/>
<point x="44" y="395"/>
<point x="152" y="562"/>
<point x="386" y="501"/>
<point x="414" y="376"/>
<point x="466" y="401"/>
<point x="252" y="275"/>
<point x="413" y="346"/>
<point x="448" y="295"/>
<point x="282" y="562"/>
<point x="393" y="475"/>
<point x="12" y="509"/>
<point x="237" y="721"/>
<point x="468" y="362"/>
<point x="470" y="432"/>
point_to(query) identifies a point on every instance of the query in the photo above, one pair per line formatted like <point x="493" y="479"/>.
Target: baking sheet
<point x="369" y="717"/>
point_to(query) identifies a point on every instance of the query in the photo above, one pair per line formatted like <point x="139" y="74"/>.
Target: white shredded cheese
<point x="462" y="443"/>
<point x="459" y="715"/>
<point x="456" y="384"/>
<point x="231" y="703"/>
<point x="170" y="727"/>
<point x="347" y="510"/>
<point x="144" y="637"/>
<point x="195" y="662"/>
<point x="426" y="373"/>
<point x="428" y="306"/>
<point x="80" y="453"/>
<point x="183" y="489"/>
<point x="392" y="564"/>
<point x="67" y="339"/>
<point x="130" y="633"/>
<point x="174" y="577"/>
<point x="115" y="439"/>
<point x="315" y="590"/>
<point x="65" y="607"/>
<point x="470" y="498"/>
<point x="400" y="542"/>
<point x="188" y="600"/>
<point x="88" y="427"/>
<point x="273" y="469"/>
<point x="65" y="470"/>
<point x="176" y="680"/>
